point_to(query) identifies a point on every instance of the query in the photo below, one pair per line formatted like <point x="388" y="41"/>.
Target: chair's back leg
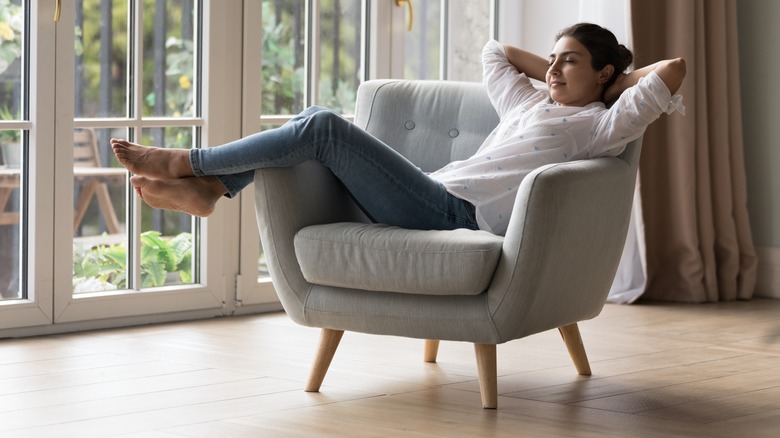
<point x="431" y="350"/>
<point x="329" y="342"/>
<point x="571" y="336"/>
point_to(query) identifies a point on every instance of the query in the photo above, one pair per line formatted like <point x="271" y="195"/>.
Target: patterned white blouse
<point x="535" y="131"/>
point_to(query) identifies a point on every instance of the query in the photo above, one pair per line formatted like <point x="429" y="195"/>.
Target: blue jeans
<point x="386" y="186"/>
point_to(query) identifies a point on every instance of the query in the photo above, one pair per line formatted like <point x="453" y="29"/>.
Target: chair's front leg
<point x="329" y="342"/>
<point x="571" y="336"/>
<point x="488" y="374"/>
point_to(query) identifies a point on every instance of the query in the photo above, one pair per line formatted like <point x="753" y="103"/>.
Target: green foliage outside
<point x="8" y="135"/>
<point x="11" y="26"/>
<point x="283" y="71"/>
<point x="179" y="63"/>
<point x="283" y="80"/>
<point x="104" y="265"/>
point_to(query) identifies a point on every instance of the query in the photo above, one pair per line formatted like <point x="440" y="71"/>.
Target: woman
<point x="570" y="122"/>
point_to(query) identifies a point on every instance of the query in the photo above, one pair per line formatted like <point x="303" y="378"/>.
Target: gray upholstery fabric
<point x="379" y="257"/>
<point x="557" y="260"/>
<point x="429" y="122"/>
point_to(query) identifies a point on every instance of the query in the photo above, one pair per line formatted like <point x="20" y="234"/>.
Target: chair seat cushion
<point x="383" y="258"/>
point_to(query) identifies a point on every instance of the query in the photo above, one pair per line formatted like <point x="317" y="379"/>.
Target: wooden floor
<point x="658" y="370"/>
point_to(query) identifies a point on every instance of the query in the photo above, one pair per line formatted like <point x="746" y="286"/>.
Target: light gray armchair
<point x="334" y="270"/>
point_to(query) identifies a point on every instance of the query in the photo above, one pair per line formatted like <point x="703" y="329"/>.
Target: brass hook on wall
<point x="57" y="8"/>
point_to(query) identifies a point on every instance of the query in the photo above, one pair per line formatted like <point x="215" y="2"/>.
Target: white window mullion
<point x="63" y="169"/>
<point x="134" y="211"/>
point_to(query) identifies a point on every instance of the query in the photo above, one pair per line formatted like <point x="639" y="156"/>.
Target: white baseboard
<point x="768" y="281"/>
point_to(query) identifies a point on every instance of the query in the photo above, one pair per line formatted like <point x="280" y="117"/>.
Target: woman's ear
<point x="606" y="73"/>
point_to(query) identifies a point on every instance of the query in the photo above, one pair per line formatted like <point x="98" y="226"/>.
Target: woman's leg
<point x="388" y="187"/>
<point x="233" y="155"/>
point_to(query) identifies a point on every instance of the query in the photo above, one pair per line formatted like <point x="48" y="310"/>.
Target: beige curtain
<point x="694" y="197"/>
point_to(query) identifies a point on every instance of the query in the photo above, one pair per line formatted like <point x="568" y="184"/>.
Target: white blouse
<point x="535" y="131"/>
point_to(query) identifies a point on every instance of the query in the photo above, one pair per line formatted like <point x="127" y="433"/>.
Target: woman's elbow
<point x="672" y="72"/>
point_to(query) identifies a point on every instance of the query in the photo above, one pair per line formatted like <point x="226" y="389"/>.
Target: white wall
<point x="759" y="66"/>
<point x="532" y="24"/>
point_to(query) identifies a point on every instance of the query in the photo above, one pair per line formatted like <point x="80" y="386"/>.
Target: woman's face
<point x="571" y="79"/>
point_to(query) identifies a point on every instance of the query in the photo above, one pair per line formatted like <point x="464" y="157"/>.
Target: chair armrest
<point x="562" y="246"/>
<point x="286" y="200"/>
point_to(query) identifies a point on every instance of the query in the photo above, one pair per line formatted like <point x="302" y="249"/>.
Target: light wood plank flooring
<point x="658" y="370"/>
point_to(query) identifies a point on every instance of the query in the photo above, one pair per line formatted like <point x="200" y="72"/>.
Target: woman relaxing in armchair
<point x="570" y="121"/>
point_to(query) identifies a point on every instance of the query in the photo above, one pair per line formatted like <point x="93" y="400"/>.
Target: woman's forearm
<point x="671" y="71"/>
<point x="534" y="66"/>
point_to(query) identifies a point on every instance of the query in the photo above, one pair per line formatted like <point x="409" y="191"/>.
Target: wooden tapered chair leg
<point x="431" y="350"/>
<point x="571" y="336"/>
<point x="329" y="342"/>
<point x="488" y="374"/>
<point x="107" y="209"/>
<point x="87" y="190"/>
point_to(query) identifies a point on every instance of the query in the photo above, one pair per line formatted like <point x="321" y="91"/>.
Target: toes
<point x="138" y="181"/>
<point x="116" y="142"/>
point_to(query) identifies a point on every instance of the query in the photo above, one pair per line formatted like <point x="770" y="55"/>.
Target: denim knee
<point x="325" y="117"/>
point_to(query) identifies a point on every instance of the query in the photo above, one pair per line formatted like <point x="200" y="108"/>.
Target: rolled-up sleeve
<point x="636" y="108"/>
<point x="506" y="87"/>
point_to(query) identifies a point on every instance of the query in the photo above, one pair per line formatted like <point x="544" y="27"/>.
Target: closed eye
<point x="552" y="61"/>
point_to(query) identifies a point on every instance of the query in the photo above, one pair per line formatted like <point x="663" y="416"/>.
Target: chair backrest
<point x="85" y="150"/>
<point x="400" y="114"/>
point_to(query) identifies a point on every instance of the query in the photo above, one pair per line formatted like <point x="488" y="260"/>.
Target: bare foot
<point x="197" y="196"/>
<point x="151" y="161"/>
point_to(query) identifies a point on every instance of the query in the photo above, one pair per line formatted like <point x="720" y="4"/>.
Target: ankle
<point x="180" y="166"/>
<point x="215" y="187"/>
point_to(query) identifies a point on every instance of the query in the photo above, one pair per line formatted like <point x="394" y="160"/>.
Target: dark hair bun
<point x="625" y="58"/>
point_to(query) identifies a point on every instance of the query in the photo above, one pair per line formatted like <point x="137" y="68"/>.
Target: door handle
<point x="400" y="3"/>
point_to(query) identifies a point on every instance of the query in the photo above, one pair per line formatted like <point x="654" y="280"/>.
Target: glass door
<point x="432" y="39"/>
<point x="26" y="166"/>
<point x="136" y="74"/>
<point x="306" y="52"/>
<point x="77" y="244"/>
<point x="14" y="133"/>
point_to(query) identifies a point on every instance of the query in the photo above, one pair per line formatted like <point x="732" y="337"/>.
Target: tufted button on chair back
<point x="464" y="118"/>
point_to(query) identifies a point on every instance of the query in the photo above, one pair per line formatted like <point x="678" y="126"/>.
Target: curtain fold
<point x="694" y="193"/>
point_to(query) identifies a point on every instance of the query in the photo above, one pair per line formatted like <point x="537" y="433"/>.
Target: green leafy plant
<point x="11" y="25"/>
<point x="104" y="265"/>
<point x="179" y="92"/>
<point x="8" y="135"/>
<point x="282" y="80"/>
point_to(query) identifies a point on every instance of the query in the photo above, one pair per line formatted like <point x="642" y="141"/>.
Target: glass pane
<point x="12" y="92"/>
<point x="101" y="58"/>
<point x="469" y="30"/>
<point x="167" y="245"/>
<point x="283" y="56"/>
<point x="167" y="85"/>
<point x="99" y="203"/>
<point x="422" y="45"/>
<point x="10" y="203"/>
<point x="168" y="67"/>
<point x="340" y="38"/>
